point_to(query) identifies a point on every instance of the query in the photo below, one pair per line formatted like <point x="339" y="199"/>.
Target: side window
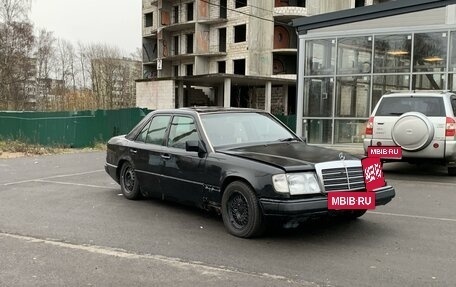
<point x="453" y="105"/>
<point x="142" y="135"/>
<point x="182" y="129"/>
<point x="157" y="130"/>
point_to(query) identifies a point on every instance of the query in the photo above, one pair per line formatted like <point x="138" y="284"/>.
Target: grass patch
<point x="99" y="146"/>
<point x="15" y="148"/>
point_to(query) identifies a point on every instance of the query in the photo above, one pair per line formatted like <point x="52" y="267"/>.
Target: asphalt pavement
<point x="63" y="222"/>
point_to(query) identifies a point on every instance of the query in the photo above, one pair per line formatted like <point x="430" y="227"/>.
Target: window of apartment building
<point x="190" y="11"/>
<point x="149" y="19"/>
<point x="286" y="3"/>
<point x="240" y="33"/>
<point x="176" y="45"/>
<point x="189" y="69"/>
<point x="239" y="67"/>
<point x="175" y="14"/>
<point x="189" y="43"/>
<point x="176" y="70"/>
<point x="380" y="1"/>
<point x="240" y="3"/>
<point x="221" y="65"/>
<point x="222" y="40"/>
<point x="223" y="9"/>
<point x="359" y="3"/>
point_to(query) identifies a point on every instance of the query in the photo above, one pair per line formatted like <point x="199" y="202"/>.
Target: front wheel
<point x="452" y="170"/>
<point x="128" y="182"/>
<point x="241" y="211"/>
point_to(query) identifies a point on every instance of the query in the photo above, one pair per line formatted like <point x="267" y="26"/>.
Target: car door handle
<point x="133" y="151"/>
<point x="165" y="156"/>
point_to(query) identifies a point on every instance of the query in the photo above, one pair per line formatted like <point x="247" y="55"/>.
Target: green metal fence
<point x="71" y="129"/>
<point x="77" y="129"/>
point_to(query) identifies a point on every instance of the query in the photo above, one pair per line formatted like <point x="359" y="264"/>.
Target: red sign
<point x="387" y="152"/>
<point x="351" y="200"/>
<point x="373" y="173"/>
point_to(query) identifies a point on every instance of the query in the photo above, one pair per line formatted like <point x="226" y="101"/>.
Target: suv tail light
<point x="370" y="126"/>
<point x="450" y="129"/>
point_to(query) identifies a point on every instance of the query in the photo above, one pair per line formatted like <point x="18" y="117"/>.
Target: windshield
<point x="244" y="128"/>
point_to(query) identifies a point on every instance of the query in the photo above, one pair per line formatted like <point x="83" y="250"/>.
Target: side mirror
<point x="195" y="146"/>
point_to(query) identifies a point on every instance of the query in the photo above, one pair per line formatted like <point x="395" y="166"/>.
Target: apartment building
<point x="239" y="53"/>
<point x="48" y="90"/>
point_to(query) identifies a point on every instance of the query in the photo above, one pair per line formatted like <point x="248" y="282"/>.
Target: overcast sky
<point x="114" y="22"/>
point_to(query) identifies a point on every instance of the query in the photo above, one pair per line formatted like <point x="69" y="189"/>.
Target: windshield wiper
<point x="288" y="139"/>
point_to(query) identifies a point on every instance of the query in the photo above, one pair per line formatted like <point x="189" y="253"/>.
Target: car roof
<point x="212" y="109"/>
<point x="419" y="94"/>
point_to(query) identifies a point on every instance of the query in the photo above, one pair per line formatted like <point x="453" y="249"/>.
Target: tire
<point x="353" y="214"/>
<point x="452" y="170"/>
<point x="241" y="211"/>
<point x="128" y="182"/>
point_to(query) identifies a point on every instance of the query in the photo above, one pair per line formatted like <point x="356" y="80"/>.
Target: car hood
<point x="290" y="156"/>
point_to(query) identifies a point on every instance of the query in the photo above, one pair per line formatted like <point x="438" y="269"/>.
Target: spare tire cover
<point x="413" y="131"/>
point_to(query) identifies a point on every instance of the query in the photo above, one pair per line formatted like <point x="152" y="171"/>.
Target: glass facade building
<point x="345" y="72"/>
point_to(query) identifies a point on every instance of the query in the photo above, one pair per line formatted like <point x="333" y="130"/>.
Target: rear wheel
<point x="128" y="182"/>
<point x="241" y="211"/>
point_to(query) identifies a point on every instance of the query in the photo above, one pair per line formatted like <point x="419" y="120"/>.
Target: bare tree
<point x="84" y="64"/>
<point x="66" y="68"/>
<point x="45" y="59"/>
<point x="44" y="53"/>
<point x="64" y="58"/>
<point x="113" y="77"/>
<point x="57" y="74"/>
<point x="103" y="69"/>
<point x="137" y="55"/>
<point x="14" y="10"/>
<point x="17" y="67"/>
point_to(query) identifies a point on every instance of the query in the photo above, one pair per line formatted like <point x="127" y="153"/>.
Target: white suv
<point x="422" y="123"/>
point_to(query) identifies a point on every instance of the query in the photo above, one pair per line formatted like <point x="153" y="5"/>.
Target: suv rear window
<point x="396" y="106"/>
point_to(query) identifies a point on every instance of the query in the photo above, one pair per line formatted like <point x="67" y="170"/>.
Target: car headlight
<point x="296" y="183"/>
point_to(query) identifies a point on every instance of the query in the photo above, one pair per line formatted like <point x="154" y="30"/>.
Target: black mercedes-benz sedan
<point x="243" y="163"/>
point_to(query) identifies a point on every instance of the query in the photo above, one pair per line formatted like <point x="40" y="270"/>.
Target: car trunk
<point x="398" y="118"/>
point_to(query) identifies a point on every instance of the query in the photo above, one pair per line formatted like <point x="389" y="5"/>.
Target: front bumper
<point x="314" y="206"/>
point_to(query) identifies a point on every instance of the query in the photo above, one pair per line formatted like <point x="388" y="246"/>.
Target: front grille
<point x="343" y="178"/>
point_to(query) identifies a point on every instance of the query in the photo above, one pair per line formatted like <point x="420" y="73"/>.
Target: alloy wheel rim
<point x="129" y="180"/>
<point x="238" y="211"/>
